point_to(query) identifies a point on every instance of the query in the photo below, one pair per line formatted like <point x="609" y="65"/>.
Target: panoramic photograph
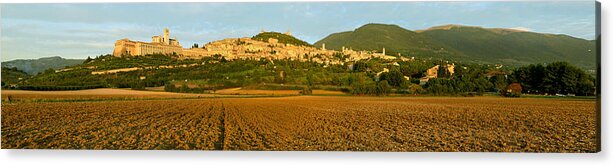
<point x="302" y="76"/>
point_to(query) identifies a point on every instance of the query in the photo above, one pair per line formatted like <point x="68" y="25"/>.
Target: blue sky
<point x="80" y="30"/>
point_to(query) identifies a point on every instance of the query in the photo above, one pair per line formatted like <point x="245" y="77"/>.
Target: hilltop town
<point x="244" y="48"/>
<point x="251" y="48"/>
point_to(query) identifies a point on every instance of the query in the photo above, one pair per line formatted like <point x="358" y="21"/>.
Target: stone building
<point x="159" y="44"/>
<point x="433" y="71"/>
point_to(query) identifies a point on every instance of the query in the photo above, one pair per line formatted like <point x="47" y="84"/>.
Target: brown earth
<point x="306" y="123"/>
<point x="93" y="94"/>
<point x="150" y="93"/>
<point x="232" y="91"/>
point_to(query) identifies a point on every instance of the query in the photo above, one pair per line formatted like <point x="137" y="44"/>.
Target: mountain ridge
<point x="470" y="44"/>
<point x="34" y="66"/>
<point x="392" y="37"/>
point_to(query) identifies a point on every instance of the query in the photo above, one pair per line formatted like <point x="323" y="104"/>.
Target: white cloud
<point x="522" y="29"/>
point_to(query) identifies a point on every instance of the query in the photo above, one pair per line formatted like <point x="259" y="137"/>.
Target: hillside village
<point x="245" y="48"/>
<point x="249" y="48"/>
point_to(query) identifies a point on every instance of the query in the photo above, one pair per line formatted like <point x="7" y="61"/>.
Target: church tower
<point x="167" y="36"/>
<point x="384" y="51"/>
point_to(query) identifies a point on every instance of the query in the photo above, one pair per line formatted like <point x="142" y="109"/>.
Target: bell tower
<point x="384" y="51"/>
<point x="167" y="36"/>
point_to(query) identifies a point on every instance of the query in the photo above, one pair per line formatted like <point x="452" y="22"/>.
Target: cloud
<point x="522" y="29"/>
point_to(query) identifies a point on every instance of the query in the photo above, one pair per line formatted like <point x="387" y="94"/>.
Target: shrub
<point x="380" y="89"/>
<point x="513" y="90"/>
<point x="306" y="91"/>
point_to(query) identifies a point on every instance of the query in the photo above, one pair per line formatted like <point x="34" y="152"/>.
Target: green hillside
<point x="364" y="77"/>
<point x="468" y="44"/>
<point x="13" y="75"/>
<point x="514" y="47"/>
<point x="34" y="66"/>
<point x="282" y="38"/>
<point x="392" y="37"/>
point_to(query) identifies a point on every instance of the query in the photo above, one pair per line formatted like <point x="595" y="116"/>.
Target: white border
<point x="152" y="158"/>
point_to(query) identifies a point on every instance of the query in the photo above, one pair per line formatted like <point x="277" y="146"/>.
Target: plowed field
<point x="306" y="123"/>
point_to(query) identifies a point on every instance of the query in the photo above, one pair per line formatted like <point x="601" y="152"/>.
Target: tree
<point x="439" y="86"/>
<point x="585" y="88"/>
<point x="306" y="91"/>
<point x="560" y="77"/>
<point x="415" y="89"/>
<point x="414" y="69"/>
<point x="554" y="78"/>
<point x="360" y="66"/>
<point x="443" y="72"/>
<point x="394" y="78"/>
<point x="48" y="71"/>
<point x="383" y="89"/>
<point x="138" y="86"/>
<point x="184" y="88"/>
<point x="87" y="60"/>
<point x="310" y="79"/>
<point x="482" y="84"/>
<point x="195" y="45"/>
<point x="499" y="82"/>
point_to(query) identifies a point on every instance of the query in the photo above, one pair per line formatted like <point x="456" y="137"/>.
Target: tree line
<point x="554" y="78"/>
<point x="364" y="77"/>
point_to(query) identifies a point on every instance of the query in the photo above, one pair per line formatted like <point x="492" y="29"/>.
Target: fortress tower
<point x="167" y="36"/>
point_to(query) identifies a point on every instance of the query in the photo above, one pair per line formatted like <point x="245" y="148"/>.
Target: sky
<point x="30" y="31"/>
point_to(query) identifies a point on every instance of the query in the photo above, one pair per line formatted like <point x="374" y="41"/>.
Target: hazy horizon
<point x="76" y="31"/>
